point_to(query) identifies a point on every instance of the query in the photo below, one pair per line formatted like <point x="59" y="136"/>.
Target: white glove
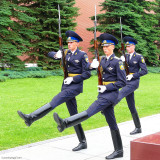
<point x="122" y="58"/>
<point x="101" y="88"/>
<point x="129" y="77"/>
<point x="68" y="80"/>
<point x="94" y="64"/>
<point x="59" y="54"/>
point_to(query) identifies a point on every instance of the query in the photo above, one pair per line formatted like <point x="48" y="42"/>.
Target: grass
<point x="31" y="93"/>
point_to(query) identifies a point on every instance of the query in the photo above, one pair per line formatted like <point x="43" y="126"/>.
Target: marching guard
<point x="76" y="63"/>
<point x="114" y="77"/>
<point x="137" y="68"/>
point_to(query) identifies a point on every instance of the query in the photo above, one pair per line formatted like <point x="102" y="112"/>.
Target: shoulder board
<point x="82" y="51"/>
<point x="101" y="57"/>
<point x="138" y="54"/>
<point x="65" y="51"/>
<point x="116" y="57"/>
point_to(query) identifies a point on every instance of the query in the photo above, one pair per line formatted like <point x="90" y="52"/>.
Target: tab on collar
<point x="111" y="56"/>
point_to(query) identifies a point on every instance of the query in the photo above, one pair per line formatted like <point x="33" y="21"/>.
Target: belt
<point x="131" y="73"/>
<point x="72" y="74"/>
<point x="105" y="83"/>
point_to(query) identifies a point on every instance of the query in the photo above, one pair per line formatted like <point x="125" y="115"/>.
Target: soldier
<point x="76" y="62"/>
<point x="114" y="77"/>
<point x="137" y="68"/>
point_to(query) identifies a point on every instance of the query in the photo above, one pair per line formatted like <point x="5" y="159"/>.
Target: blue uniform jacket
<point x="137" y="65"/>
<point x="112" y="70"/>
<point x="76" y="64"/>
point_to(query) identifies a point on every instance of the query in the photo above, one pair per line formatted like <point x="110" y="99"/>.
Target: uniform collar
<point x="110" y="57"/>
<point x="131" y="55"/>
<point x="134" y="54"/>
<point x="74" y="52"/>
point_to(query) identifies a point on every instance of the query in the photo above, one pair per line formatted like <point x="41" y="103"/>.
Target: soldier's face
<point x="130" y="49"/>
<point x="108" y="50"/>
<point x="72" y="46"/>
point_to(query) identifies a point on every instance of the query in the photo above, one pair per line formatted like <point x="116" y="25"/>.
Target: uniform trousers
<point x="128" y="92"/>
<point x="67" y="96"/>
<point x="106" y="106"/>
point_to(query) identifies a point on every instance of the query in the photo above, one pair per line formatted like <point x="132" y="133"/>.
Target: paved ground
<point x="99" y="144"/>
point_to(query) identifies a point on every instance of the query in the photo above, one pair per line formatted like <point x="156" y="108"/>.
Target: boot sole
<point x="21" y="115"/>
<point x="80" y="148"/>
<point x="114" y="156"/>
<point x="56" y="118"/>
<point x="137" y="132"/>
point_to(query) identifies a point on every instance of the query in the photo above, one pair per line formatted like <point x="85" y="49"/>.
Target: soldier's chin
<point x="106" y="51"/>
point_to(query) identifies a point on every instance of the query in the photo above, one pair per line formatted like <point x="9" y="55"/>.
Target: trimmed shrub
<point x="3" y="78"/>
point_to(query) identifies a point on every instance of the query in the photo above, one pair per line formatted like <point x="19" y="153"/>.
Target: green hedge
<point x="34" y="72"/>
<point x="2" y="78"/>
<point x="153" y="69"/>
<point x="37" y="72"/>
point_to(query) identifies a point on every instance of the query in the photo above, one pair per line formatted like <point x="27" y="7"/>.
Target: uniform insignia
<point x="134" y="62"/>
<point x="104" y="41"/>
<point x="86" y="59"/>
<point x="142" y="59"/>
<point x="121" y="65"/>
<point x="77" y="61"/>
<point x="69" y="38"/>
<point x="110" y="68"/>
<point x="76" y="53"/>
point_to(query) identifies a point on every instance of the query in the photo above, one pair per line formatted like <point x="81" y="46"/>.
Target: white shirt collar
<point x="73" y="51"/>
<point x="131" y="54"/>
<point x="108" y="57"/>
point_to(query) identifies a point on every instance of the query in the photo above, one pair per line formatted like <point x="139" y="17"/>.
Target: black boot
<point x="137" y="124"/>
<point x="37" y="114"/>
<point x="81" y="137"/>
<point x="70" y="121"/>
<point x="117" y="142"/>
<point x="102" y="113"/>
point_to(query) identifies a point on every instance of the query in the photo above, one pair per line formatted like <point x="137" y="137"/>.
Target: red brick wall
<point x="87" y="9"/>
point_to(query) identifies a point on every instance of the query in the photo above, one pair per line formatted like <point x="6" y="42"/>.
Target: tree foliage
<point x="46" y="27"/>
<point x="31" y="27"/>
<point x="15" y="34"/>
<point x="137" y="22"/>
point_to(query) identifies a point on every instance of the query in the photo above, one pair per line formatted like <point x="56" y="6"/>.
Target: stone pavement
<point x="99" y="144"/>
